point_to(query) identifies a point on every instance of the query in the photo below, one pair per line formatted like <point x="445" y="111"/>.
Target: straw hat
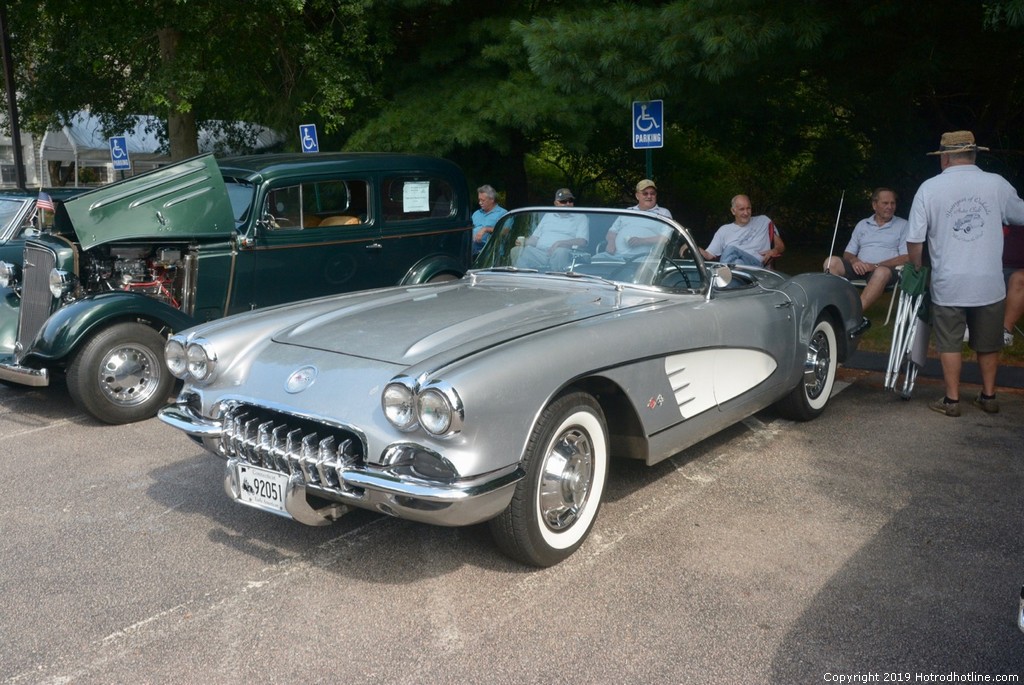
<point x="957" y="141"/>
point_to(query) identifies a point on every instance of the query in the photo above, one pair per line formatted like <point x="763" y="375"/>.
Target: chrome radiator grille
<point x="290" y="444"/>
<point x="36" y="301"/>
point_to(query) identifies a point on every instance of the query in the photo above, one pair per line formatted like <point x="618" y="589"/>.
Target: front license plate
<point x="262" y="488"/>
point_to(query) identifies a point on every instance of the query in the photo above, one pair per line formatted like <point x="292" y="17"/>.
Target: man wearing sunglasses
<point x="552" y="243"/>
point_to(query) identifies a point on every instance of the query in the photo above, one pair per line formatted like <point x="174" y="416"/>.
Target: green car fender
<point x="69" y="326"/>
<point x="432" y="266"/>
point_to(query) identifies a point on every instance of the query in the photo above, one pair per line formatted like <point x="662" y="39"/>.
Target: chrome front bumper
<point x="23" y="375"/>
<point x="463" y="503"/>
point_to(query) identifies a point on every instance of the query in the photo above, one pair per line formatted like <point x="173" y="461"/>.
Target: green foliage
<point x="271" y="62"/>
<point x="792" y="103"/>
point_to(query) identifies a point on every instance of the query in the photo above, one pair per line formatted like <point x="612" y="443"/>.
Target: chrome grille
<point x="290" y="444"/>
<point x="36" y="301"/>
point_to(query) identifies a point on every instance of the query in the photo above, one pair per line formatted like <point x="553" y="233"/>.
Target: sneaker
<point x="987" y="405"/>
<point x="1007" y="338"/>
<point x="948" y="408"/>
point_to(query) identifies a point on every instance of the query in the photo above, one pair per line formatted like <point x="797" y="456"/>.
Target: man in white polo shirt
<point x="877" y="246"/>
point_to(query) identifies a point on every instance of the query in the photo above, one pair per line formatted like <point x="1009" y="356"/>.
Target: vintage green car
<point x="128" y="264"/>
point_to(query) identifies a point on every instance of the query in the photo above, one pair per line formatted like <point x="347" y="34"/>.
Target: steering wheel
<point x="666" y="272"/>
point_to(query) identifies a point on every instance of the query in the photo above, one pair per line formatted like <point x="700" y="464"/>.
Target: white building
<point x="83" y="152"/>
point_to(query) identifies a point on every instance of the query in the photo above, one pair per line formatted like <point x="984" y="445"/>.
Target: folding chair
<point x="908" y="331"/>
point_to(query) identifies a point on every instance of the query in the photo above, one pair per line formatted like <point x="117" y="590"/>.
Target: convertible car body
<point x="501" y="397"/>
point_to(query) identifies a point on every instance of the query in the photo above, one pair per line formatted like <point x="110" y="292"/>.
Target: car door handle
<point x="787" y="303"/>
<point x="374" y="246"/>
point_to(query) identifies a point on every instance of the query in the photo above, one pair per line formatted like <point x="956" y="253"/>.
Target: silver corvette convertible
<point x="580" y="335"/>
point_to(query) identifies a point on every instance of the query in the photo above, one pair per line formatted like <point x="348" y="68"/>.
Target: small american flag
<point x="45" y="202"/>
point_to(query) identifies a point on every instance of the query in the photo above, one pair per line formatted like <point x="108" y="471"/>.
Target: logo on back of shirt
<point x="967" y="217"/>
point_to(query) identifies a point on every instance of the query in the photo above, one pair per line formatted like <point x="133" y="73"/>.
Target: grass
<point x="878" y="338"/>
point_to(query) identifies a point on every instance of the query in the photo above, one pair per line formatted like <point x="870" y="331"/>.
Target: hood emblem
<point x="300" y="379"/>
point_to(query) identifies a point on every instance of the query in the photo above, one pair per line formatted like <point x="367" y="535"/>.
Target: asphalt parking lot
<point x="880" y="539"/>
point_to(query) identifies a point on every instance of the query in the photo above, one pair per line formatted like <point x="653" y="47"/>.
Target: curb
<point x="1006" y="377"/>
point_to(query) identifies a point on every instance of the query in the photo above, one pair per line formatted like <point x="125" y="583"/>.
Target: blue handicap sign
<point x="648" y="124"/>
<point x="119" y="153"/>
<point x="307" y="138"/>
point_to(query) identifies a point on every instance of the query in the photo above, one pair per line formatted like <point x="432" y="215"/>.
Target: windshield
<point x="241" y="194"/>
<point x="624" y="246"/>
<point x="9" y="210"/>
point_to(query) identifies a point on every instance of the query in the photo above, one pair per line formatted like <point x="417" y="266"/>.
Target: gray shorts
<point x="985" y="324"/>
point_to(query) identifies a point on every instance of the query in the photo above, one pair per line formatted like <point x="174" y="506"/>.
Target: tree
<point x="265" y="61"/>
<point x="807" y="97"/>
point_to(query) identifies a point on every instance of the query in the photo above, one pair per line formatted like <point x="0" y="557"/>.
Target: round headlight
<point x="58" y="282"/>
<point x="435" y="412"/>
<point x="398" y="403"/>
<point x="175" y="358"/>
<point x="6" y="274"/>
<point x="201" y="361"/>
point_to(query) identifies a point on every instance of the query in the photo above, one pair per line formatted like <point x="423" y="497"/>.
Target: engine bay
<point x="154" y="270"/>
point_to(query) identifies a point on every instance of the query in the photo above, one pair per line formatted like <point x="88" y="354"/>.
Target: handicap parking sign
<point x="307" y="138"/>
<point x="648" y="124"/>
<point x="119" y="153"/>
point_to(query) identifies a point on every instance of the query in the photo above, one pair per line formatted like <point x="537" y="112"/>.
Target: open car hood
<point x="184" y="200"/>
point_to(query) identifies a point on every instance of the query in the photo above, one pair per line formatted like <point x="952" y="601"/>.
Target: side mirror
<point x="722" y="276"/>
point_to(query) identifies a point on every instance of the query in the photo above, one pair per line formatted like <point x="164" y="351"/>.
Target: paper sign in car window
<point x="416" y="196"/>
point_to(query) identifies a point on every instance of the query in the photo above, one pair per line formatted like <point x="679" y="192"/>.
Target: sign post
<point x="119" y="153"/>
<point x="308" y="139"/>
<point x="648" y="128"/>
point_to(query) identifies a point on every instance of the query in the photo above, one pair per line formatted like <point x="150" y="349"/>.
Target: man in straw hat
<point x="961" y="213"/>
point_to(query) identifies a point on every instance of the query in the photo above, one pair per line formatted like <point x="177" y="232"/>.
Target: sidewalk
<point x="1007" y="377"/>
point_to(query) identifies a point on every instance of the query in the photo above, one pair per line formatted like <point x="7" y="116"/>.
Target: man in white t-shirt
<point x="877" y="246"/>
<point x="961" y="213"/>
<point x="750" y="240"/>
<point x="551" y="244"/>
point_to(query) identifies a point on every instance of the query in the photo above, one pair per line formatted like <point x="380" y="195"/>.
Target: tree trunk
<point x="182" y="134"/>
<point x="516" y="191"/>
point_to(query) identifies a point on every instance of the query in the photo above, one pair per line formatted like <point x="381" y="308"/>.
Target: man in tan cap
<point x="647" y="199"/>
<point x="630" y="237"/>
<point x="961" y="213"/>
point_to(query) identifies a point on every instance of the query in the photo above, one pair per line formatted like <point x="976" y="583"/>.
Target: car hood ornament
<point x="300" y="379"/>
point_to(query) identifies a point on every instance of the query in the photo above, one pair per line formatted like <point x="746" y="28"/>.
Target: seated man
<point x="1013" y="272"/>
<point x="750" y="240"/>
<point x="552" y="243"/>
<point x="634" y="236"/>
<point x="877" y="246"/>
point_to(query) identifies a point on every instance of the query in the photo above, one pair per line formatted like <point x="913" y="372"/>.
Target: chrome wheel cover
<point x="129" y="374"/>
<point x="816" y="368"/>
<point x="566" y="479"/>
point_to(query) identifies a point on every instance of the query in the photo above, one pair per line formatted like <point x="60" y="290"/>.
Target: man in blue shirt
<point x="485" y="217"/>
